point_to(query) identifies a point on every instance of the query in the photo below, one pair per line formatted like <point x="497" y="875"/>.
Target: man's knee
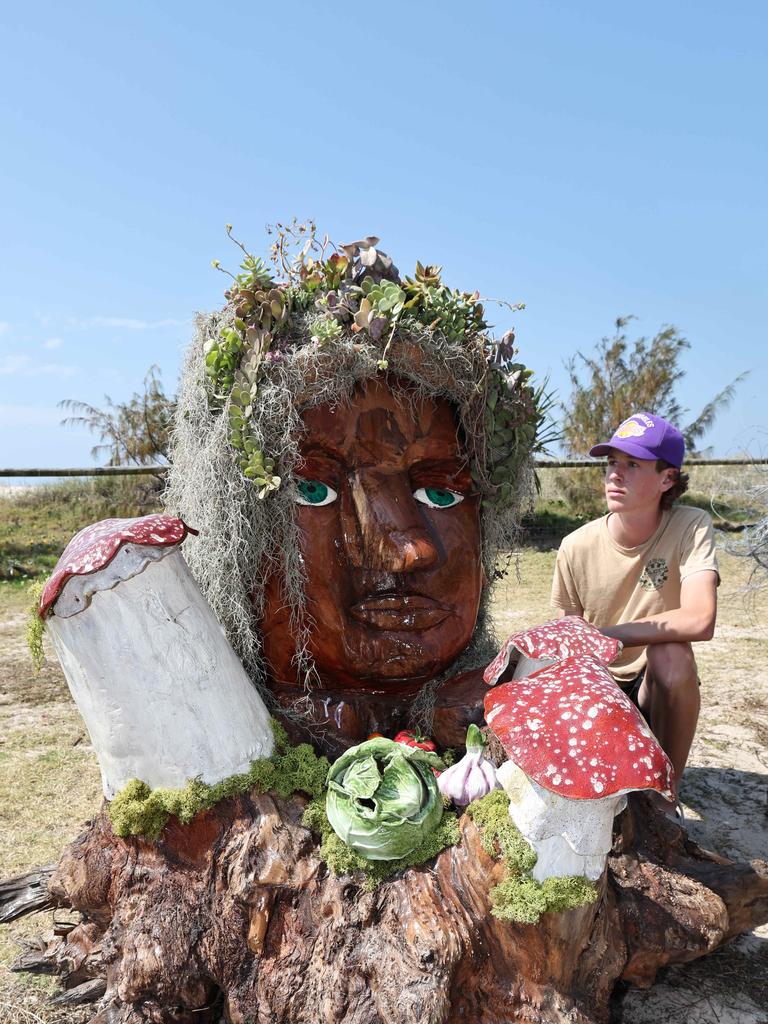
<point x="672" y="666"/>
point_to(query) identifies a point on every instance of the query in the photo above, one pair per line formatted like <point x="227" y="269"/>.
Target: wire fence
<point x="160" y="470"/>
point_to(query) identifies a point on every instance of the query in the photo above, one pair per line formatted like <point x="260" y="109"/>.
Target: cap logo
<point x="631" y="428"/>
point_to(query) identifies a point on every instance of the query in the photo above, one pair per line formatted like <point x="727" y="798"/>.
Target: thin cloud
<point x="123" y="322"/>
<point x="52" y="343"/>
<point x="4" y="327"/>
<point x="12" y="364"/>
<point x="29" y="415"/>
<point x="26" y="367"/>
<point x="51" y="368"/>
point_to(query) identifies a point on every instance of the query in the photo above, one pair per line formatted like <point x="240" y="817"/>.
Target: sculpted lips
<point x="399" y="611"/>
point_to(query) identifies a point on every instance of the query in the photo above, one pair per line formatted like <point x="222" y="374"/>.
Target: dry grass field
<point x="49" y="784"/>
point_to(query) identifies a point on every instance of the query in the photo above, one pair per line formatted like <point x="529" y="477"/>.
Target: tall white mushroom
<point x="577" y="745"/>
<point x="163" y="695"/>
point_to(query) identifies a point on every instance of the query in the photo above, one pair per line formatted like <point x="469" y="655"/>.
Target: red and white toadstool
<point x="163" y="695"/>
<point x="577" y="745"/>
<point x="552" y="641"/>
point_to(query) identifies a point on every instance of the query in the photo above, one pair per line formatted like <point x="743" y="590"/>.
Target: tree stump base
<point x="236" y="914"/>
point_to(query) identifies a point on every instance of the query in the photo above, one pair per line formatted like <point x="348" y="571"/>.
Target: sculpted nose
<point x="388" y="531"/>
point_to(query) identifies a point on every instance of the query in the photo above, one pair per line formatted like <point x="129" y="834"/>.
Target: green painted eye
<point x="314" y="492"/>
<point x="437" y="497"/>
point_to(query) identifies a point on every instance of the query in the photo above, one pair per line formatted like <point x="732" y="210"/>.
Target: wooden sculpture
<point x="229" y="910"/>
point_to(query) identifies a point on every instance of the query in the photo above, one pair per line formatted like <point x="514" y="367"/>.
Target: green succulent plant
<point x="222" y="356"/>
<point x="254" y="273"/>
<point x="386" y="297"/>
<point x="325" y="330"/>
<point x="456" y="314"/>
<point x="358" y="289"/>
<point x="416" y="287"/>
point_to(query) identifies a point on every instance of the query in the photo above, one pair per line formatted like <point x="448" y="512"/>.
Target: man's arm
<point x="693" y="620"/>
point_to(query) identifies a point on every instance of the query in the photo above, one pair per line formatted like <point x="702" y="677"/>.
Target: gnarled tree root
<point x="236" y="913"/>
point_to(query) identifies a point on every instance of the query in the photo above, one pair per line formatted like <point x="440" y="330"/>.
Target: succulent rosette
<point x="383" y="798"/>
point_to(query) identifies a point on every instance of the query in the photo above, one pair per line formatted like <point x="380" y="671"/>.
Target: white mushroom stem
<point x="163" y="695"/>
<point x="570" y="837"/>
<point x="526" y="666"/>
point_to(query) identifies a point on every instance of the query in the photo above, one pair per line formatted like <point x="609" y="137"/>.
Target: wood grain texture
<point x="236" y="912"/>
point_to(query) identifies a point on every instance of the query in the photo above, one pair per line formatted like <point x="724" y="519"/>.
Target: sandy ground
<point x="49" y="785"/>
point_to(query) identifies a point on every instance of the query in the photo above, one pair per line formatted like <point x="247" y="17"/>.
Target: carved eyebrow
<point x="322" y="448"/>
<point x="450" y="464"/>
<point x="456" y="467"/>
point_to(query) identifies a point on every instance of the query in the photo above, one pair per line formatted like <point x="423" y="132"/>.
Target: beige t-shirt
<point x="607" y="584"/>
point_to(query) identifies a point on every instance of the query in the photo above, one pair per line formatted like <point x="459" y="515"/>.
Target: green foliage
<point x="454" y="313"/>
<point x="35" y="626"/>
<point x="514" y="419"/>
<point x="134" y="432"/>
<point x="326" y="329"/>
<point x="386" y="297"/>
<point x="221" y="361"/>
<point x="139" y="810"/>
<point x="623" y="377"/>
<point x="37" y="524"/>
<point x="524" y="900"/>
<point x="519" y="897"/>
<point x="359" y="290"/>
<point x="233" y="363"/>
<point x="583" y="490"/>
<point x="342" y="859"/>
<point x="255" y="273"/>
<point x="548" y="523"/>
<point x="499" y="833"/>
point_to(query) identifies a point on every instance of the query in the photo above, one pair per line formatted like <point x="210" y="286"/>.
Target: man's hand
<point x="693" y="620"/>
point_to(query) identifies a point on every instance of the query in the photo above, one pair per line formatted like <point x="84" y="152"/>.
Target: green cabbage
<point x="383" y="798"/>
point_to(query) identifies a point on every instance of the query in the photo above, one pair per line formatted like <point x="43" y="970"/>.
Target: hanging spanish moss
<point x="276" y="350"/>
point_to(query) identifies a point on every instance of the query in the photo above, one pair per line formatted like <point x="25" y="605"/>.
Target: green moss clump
<point x="519" y="897"/>
<point x="499" y="833"/>
<point x="299" y="768"/>
<point x="136" y="810"/>
<point x="35" y="626"/>
<point x="139" y="810"/>
<point x="344" y="861"/>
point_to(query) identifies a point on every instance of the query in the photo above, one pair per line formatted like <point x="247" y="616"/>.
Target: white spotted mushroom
<point x="550" y="642"/>
<point x="576" y="745"/>
<point x="163" y="695"/>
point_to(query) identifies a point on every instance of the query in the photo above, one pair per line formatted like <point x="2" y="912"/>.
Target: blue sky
<point x="589" y="159"/>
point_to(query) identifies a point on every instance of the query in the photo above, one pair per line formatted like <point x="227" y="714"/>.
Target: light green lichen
<point x="344" y="861"/>
<point x="139" y="810"/>
<point x="498" y="833"/>
<point x="519" y="897"/>
<point x="35" y="626"/>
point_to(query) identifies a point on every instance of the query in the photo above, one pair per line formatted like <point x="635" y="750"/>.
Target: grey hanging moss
<point x="247" y="530"/>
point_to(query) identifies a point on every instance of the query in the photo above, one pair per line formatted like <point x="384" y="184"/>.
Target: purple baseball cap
<point x="646" y="437"/>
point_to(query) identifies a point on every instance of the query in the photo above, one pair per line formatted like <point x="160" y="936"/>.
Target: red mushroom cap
<point x="95" y="546"/>
<point x="556" y="640"/>
<point x="572" y="729"/>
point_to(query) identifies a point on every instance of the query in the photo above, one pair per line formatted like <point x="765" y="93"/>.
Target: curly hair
<point x="278" y="349"/>
<point x="679" y="487"/>
<point x="242" y="538"/>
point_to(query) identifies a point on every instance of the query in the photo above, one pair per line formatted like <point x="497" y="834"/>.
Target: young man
<point x="646" y="574"/>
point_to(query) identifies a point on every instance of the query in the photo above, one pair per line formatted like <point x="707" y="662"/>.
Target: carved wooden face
<point x="390" y="541"/>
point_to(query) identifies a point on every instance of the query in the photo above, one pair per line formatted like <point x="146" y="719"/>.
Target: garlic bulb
<point x="472" y="777"/>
